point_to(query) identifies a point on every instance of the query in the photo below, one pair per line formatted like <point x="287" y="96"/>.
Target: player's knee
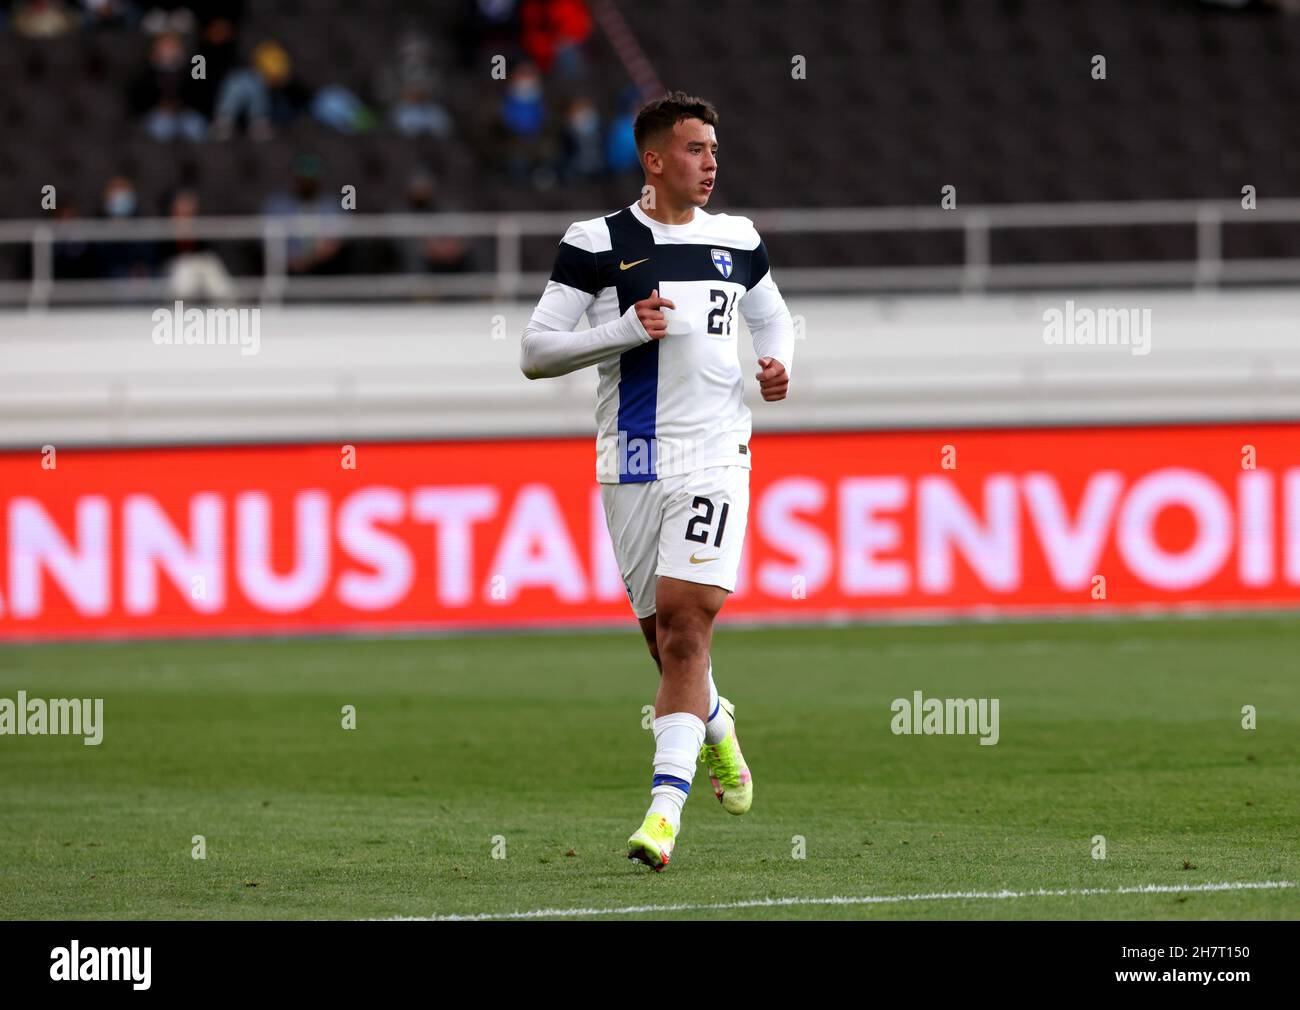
<point x="683" y="633"/>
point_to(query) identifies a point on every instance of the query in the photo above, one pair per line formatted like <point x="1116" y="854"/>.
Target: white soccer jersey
<point x="670" y="406"/>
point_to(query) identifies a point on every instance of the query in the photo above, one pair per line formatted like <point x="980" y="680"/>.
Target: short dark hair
<point x="664" y="113"/>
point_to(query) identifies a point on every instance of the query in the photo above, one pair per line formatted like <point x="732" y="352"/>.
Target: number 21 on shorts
<point x="699" y="528"/>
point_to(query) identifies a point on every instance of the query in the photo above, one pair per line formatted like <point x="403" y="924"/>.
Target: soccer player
<point x="661" y="281"/>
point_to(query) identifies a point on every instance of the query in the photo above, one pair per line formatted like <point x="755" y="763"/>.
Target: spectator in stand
<point x="553" y="33"/>
<point x="124" y="259"/>
<point x="440" y="254"/>
<point x="523" y="115"/>
<point x="408" y="83"/>
<point x="165" y="94"/>
<point x="621" y="154"/>
<point x="194" y="271"/>
<point x="340" y="109"/>
<point x="522" y="110"/>
<point x="308" y="254"/>
<point x="74" y="260"/>
<point x="266" y="94"/>
<point x="415" y="114"/>
<point x="584" y="154"/>
<point x="217" y="46"/>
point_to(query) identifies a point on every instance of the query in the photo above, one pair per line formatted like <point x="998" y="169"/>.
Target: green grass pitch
<point x="1127" y="729"/>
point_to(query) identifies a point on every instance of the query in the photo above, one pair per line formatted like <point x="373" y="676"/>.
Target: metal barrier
<point x="975" y="272"/>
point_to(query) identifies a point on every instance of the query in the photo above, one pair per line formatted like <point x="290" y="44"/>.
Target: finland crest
<point x="722" y="260"/>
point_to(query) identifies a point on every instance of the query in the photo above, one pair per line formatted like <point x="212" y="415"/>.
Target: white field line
<point x="882" y="899"/>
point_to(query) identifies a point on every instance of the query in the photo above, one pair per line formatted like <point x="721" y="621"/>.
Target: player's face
<point x="690" y="163"/>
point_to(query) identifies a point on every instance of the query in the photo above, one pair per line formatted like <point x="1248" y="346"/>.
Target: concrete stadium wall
<point x="97" y="377"/>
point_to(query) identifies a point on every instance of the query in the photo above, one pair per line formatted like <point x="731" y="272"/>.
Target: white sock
<point x="678" y="739"/>
<point x="715" y="729"/>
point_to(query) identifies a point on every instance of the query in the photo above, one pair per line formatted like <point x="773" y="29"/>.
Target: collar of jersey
<point x="666" y="229"/>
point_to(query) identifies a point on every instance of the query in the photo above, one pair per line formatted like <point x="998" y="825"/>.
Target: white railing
<point x="508" y="280"/>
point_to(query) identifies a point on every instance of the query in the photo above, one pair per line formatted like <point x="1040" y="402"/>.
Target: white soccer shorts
<point x="690" y="526"/>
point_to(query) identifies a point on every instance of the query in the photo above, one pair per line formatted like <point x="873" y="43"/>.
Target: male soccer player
<point x="661" y="281"/>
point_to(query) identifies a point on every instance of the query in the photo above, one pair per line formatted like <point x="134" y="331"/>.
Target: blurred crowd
<point x="196" y="269"/>
<point x="248" y="85"/>
<point x="206" y="76"/>
<point x="545" y="42"/>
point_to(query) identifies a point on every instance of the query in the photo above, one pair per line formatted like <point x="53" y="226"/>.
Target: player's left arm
<point x="770" y="326"/>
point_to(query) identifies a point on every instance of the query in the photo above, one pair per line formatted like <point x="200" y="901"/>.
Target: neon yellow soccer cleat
<point x="653" y="842"/>
<point x="732" y="783"/>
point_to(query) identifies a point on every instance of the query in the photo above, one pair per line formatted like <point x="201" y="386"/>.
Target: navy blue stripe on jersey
<point x="638" y="383"/>
<point x="758" y="265"/>
<point x="631" y="241"/>
<point x="638" y="407"/>
<point x="678" y="261"/>
<point x="577" y="268"/>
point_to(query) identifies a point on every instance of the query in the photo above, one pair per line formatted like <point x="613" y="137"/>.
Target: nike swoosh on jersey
<point x="629" y="266"/>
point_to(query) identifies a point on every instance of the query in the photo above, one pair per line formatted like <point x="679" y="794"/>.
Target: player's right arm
<point x="551" y="346"/>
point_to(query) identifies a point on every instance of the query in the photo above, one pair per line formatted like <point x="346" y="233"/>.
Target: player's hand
<point x="647" y="311"/>
<point x="772" y="380"/>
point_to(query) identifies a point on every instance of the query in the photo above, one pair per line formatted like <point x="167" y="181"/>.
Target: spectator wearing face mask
<point x="523" y="116"/>
<point x="584" y="153"/>
<point x="522" y="109"/>
<point x="125" y="258"/>
<point x="433" y="254"/>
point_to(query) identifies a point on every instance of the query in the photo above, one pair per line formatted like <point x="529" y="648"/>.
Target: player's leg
<point x="634" y="515"/>
<point x="686" y="614"/>
<point x="684" y="617"/>
<point x="700" y="543"/>
<point x="718" y="723"/>
<point x="684" y="627"/>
